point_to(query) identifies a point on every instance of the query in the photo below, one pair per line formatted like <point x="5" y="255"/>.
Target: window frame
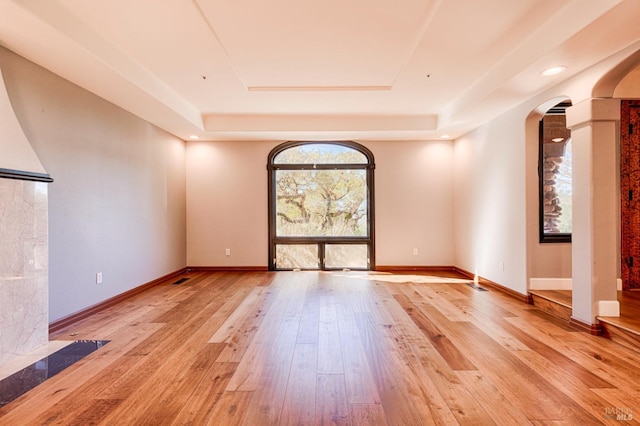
<point x="321" y="241"/>
<point x="545" y="237"/>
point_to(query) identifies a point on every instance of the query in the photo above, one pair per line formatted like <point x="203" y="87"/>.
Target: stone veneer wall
<point x="555" y="126"/>
<point x="24" y="297"/>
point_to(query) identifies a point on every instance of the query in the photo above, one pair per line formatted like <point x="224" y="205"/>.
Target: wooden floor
<point x="312" y="348"/>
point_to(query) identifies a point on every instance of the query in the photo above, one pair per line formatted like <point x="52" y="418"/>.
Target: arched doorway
<point x="321" y="211"/>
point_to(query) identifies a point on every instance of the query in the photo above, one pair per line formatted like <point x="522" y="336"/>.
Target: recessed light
<point x="445" y="137"/>
<point x="553" y="71"/>
<point x="194" y="137"/>
<point x="557" y="139"/>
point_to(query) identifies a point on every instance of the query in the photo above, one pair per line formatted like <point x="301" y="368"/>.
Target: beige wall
<point x="227" y="203"/>
<point x="117" y="204"/>
<point x="490" y="215"/>
<point x="414" y="202"/>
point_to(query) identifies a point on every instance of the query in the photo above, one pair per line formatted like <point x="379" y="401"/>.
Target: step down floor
<point x="624" y="330"/>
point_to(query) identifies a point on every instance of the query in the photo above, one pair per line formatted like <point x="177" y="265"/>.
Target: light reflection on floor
<point x="402" y="278"/>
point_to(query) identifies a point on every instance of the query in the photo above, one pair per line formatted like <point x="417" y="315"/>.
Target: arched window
<point x="321" y="206"/>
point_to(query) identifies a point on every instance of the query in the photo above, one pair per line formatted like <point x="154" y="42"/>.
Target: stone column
<point x="24" y="271"/>
<point x="594" y="129"/>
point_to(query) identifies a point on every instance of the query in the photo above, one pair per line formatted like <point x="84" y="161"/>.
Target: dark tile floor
<point x="29" y="377"/>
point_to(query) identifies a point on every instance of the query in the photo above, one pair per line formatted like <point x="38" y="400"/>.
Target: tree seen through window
<point x="320" y="194"/>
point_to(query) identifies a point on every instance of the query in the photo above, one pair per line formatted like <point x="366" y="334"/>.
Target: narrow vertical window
<point x="554" y="169"/>
<point x="320" y="206"/>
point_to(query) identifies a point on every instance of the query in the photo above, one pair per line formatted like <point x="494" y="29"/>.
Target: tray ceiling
<point x="329" y="69"/>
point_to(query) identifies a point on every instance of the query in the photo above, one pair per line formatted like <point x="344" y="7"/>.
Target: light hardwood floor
<point x="314" y="348"/>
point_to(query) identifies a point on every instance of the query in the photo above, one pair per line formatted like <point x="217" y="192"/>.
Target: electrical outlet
<point x="415" y="251"/>
<point x="227" y="252"/>
<point x="502" y="266"/>
<point x="99" y="278"/>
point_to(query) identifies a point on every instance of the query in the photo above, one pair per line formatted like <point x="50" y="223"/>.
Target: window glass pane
<point x="320" y="153"/>
<point x="563" y="188"/>
<point x="556" y="168"/>
<point x="321" y="203"/>
<point x="341" y="256"/>
<point x="297" y="256"/>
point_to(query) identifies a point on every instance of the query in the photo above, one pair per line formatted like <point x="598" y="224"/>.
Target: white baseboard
<point x="608" y="308"/>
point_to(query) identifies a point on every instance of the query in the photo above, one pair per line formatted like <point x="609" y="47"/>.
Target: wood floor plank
<point x="94" y="411"/>
<point x="299" y="405"/>
<point x="206" y="394"/>
<point x="453" y="356"/>
<point x="494" y="329"/>
<point x="239" y="294"/>
<point x="271" y="384"/>
<point x="446" y="399"/>
<point x="431" y="377"/>
<point x="125" y="385"/>
<point x="310" y="317"/>
<point x="332" y="405"/>
<point x="253" y="315"/>
<point x="272" y="342"/>
<point x="498" y="408"/>
<point x="253" y="360"/>
<point x="329" y="347"/>
<point x="571" y="386"/>
<point x="488" y="316"/>
<point x="213" y="291"/>
<point x="177" y="392"/>
<point x="361" y="388"/>
<point x="367" y="415"/>
<point x="230" y="409"/>
<point x="251" y="305"/>
<point x="394" y="397"/>
<point x="434" y="295"/>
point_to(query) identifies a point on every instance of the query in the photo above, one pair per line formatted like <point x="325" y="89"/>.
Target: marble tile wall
<point x="24" y="298"/>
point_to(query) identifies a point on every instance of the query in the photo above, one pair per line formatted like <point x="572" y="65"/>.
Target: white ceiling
<point x="317" y="69"/>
